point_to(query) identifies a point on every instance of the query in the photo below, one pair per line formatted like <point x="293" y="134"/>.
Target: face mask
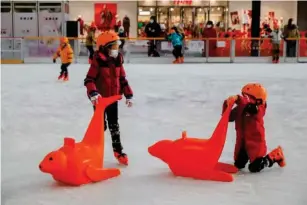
<point x="114" y="53"/>
<point x="151" y="21"/>
<point x="209" y="26"/>
<point x="121" y="31"/>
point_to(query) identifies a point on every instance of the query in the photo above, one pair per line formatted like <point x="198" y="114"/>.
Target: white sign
<point x="166" y="46"/>
<point x="195" y="46"/>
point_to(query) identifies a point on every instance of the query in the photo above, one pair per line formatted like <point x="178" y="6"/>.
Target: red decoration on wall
<point x="105" y="16"/>
<point x="183" y="2"/>
<point x="235" y="19"/>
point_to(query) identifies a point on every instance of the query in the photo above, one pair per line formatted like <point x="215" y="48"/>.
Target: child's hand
<point x="251" y="109"/>
<point x="94" y="97"/>
<point x="232" y="99"/>
<point x="129" y="103"/>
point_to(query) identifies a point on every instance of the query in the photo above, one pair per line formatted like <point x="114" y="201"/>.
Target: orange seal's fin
<point x="97" y="174"/>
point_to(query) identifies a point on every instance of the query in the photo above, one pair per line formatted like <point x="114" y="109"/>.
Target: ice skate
<point x="277" y="155"/>
<point x="61" y="76"/>
<point x="66" y="78"/>
<point x="181" y="59"/>
<point x="176" y="61"/>
<point x="121" y="157"/>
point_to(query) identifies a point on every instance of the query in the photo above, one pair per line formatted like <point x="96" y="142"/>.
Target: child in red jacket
<point x="250" y="142"/>
<point x="106" y="77"/>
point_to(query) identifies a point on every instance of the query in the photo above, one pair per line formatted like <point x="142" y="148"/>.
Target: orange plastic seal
<point x="197" y="158"/>
<point x="82" y="163"/>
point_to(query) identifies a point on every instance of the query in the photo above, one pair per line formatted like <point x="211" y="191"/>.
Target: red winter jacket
<point x="210" y="33"/>
<point x="107" y="76"/>
<point x="250" y="130"/>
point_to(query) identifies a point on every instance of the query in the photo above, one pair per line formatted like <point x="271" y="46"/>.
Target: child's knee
<point x="240" y="164"/>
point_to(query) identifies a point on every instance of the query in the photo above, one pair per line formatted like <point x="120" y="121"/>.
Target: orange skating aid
<point x="197" y="158"/>
<point x="82" y="163"/>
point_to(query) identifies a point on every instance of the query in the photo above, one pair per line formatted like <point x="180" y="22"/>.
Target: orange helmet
<point x="106" y="38"/>
<point x="255" y="90"/>
<point x="63" y="40"/>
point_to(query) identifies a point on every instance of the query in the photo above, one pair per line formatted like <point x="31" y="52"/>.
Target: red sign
<point x="105" y="16"/>
<point x="185" y="2"/>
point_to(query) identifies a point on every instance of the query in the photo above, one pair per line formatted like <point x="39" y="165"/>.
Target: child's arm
<point x="69" y="54"/>
<point x="233" y="113"/>
<point x="56" y="54"/>
<point x="90" y="79"/>
<point x="262" y="110"/>
<point x="125" y="87"/>
<point x="169" y="37"/>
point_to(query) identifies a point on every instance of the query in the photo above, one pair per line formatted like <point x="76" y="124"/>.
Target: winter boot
<point x="277" y="155"/>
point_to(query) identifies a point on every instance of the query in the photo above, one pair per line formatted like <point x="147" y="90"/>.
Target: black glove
<point x="54" y="61"/>
<point x="251" y="109"/>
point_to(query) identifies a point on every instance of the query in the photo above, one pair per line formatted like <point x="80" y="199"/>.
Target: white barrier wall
<point x="6" y="24"/>
<point x="50" y="23"/>
<point x="25" y="24"/>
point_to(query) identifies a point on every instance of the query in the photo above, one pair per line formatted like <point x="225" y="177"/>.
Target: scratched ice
<point x="37" y="112"/>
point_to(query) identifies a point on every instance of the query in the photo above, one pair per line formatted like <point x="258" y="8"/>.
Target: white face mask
<point x="114" y="53"/>
<point x="151" y="21"/>
<point x="209" y="26"/>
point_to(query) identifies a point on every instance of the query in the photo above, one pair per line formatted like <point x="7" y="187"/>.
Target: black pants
<point x="152" y="49"/>
<point x="291" y="48"/>
<point x="177" y="52"/>
<point x="64" y="69"/>
<point x="91" y="50"/>
<point x="275" y="52"/>
<point x="111" y="122"/>
<point x="121" y="46"/>
<point x="256" y="166"/>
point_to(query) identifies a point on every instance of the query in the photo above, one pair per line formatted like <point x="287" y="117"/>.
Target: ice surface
<point x="38" y="111"/>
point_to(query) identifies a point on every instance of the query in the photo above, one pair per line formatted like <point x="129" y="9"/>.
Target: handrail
<point x="145" y="38"/>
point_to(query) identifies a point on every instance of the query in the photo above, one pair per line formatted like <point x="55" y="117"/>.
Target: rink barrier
<point x="196" y="50"/>
<point x="12" y="50"/>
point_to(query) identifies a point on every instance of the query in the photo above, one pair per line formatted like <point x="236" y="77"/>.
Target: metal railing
<point x="41" y="49"/>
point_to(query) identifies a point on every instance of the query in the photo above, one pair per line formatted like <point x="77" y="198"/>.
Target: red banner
<point x="183" y="2"/>
<point x="105" y="16"/>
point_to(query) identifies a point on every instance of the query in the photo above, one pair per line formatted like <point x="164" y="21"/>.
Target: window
<point x="186" y="13"/>
<point x="51" y="7"/>
<point x="6" y="7"/>
<point x="25" y="7"/>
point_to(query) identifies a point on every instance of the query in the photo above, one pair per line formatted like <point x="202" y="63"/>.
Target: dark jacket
<point x="126" y="23"/>
<point x="107" y="77"/>
<point x="153" y="30"/>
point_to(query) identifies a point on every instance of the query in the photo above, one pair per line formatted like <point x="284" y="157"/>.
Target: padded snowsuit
<point x="250" y="131"/>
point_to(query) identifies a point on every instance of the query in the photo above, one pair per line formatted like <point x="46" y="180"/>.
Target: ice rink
<point x="38" y="112"/>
